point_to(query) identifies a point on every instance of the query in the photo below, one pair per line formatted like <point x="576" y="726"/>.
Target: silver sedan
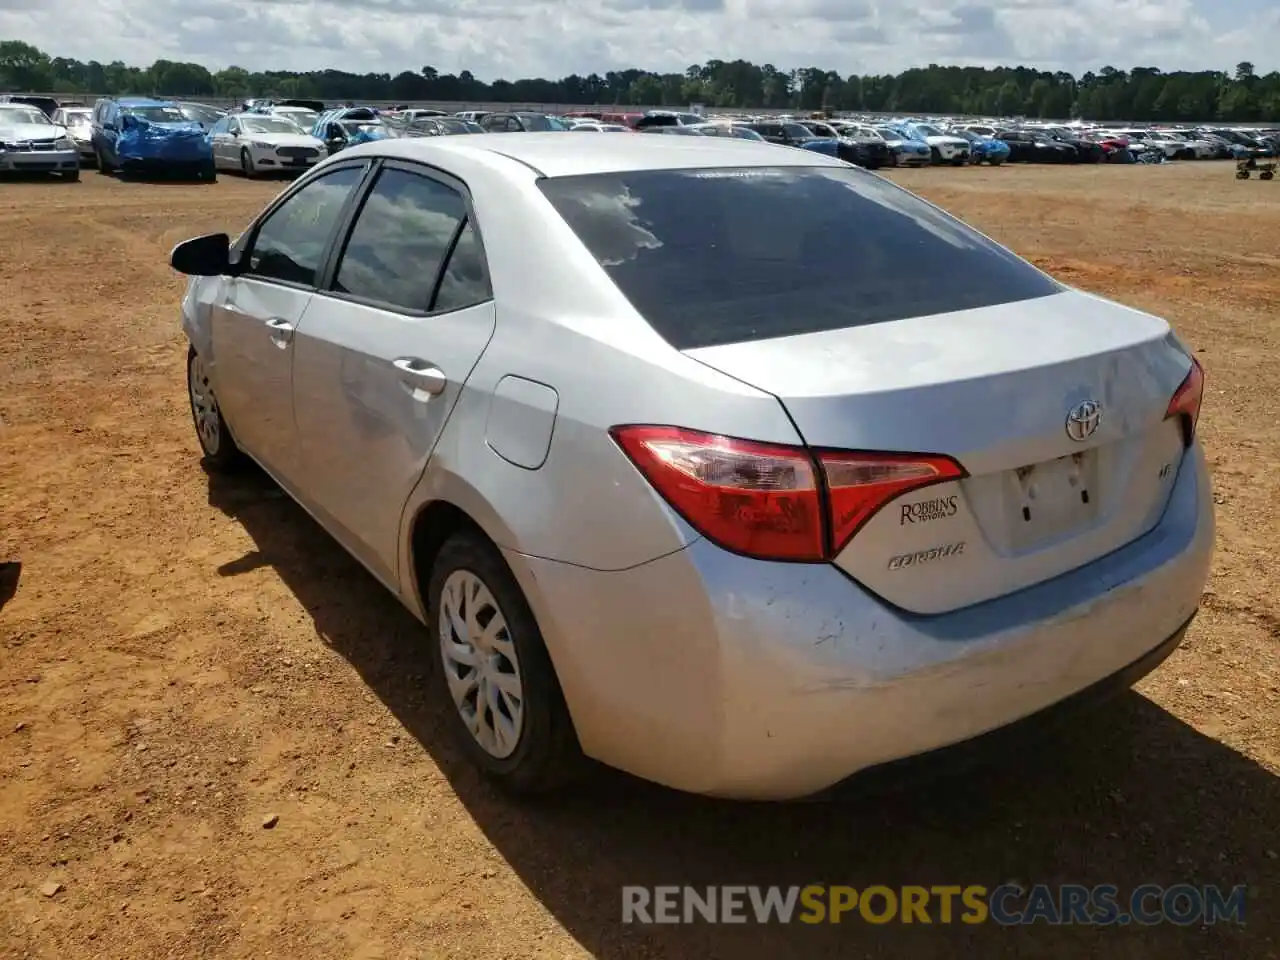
<point x="740" y="469"/>
<point x="32" y="143"/>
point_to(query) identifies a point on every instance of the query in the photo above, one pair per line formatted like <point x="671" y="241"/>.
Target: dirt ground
<point x="184" y="658"/>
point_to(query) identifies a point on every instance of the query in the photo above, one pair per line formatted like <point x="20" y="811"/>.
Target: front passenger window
<point x="291" y="242"/>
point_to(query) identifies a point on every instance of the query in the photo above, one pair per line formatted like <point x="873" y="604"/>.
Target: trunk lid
<point x="994" y="388"/>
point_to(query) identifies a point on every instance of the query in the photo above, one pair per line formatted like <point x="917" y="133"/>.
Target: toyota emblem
<point x="1083" y="420"/>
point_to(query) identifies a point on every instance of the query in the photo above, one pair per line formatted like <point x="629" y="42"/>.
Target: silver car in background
<point x="738" y="468"/>
<point x="32" y="143"/>
<point x="79" y="124"/>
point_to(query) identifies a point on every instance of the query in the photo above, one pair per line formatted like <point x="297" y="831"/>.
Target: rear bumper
<point x="733" y="677"/>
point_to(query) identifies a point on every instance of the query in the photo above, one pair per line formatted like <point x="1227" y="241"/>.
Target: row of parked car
<point x="140" y="134"/>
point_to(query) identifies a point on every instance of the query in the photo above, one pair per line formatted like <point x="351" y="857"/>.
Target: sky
<point x="509" y="39"/>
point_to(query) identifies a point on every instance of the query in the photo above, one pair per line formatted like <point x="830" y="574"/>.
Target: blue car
<point x="139" y="134"/>
<point x="984" y="149"/>
<point x="349" y="126"/>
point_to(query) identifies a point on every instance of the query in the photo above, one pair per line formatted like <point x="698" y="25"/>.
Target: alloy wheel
<point x="481" y="665"/>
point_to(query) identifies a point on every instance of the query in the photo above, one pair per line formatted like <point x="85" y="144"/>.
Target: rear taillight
<point x="859" y="484"/>
<point x="774" y="501"/>
<point x="1186" y="401"/>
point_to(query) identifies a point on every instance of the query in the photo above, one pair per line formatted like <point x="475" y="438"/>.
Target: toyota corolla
<point x="739" y="469"/>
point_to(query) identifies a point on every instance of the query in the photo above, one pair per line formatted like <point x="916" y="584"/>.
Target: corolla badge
<point x="1083" y="420"/>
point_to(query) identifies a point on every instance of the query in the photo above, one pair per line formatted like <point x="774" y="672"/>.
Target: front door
<point x="383" y="353"/>
<point x="259" y="312"/>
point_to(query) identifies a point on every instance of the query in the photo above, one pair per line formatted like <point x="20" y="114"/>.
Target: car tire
<point x="103" y="166"/>
<point x="935" y="155"/>
<point x="216" y="442"/>
<point x="209" y="172"/>
<point x="995" y="161"/>
<point x="539" y="752"/>
<point x="71" y="176"/>
<point x="246" y="164"/>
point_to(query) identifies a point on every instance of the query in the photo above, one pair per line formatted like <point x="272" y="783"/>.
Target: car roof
<point x="559" y="155"/>
<point x="144" y="102"/>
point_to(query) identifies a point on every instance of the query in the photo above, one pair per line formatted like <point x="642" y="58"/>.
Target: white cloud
<point x="495" y="38"/>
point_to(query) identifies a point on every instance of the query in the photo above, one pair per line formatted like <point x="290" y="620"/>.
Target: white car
<point x="1203" y="149"/>
<point x="79" y="124"/>
<point x="1172" y="149"/>
<point x="945" y="147"/>
<point x="304" y="118"/>
<point x="256" y="143"/>
<point x="32" y="143"/>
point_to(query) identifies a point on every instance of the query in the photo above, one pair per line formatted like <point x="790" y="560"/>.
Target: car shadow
<point x="157" y="178"/>
<point x="10" y="574"/>
<point x="1128" y="795"/>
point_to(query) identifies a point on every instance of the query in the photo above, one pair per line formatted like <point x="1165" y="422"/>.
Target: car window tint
<point x="291" y="243"/>
<point x="400" y="240"/>
<point x="728" y="255"/>
<point x="465" y="281"/>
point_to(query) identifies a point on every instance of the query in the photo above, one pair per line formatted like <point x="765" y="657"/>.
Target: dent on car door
<point x="256" y="318"/>
<point x="384" y="353"/>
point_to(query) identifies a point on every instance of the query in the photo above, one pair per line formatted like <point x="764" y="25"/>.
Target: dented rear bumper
<point x="728" y="676"/>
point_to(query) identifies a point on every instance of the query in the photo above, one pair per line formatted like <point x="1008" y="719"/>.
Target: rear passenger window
<point x="400" y="240"/>
<point x="466" y="276"/>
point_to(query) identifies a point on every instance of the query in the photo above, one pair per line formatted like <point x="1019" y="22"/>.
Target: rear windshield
<point x="729" y="255"/>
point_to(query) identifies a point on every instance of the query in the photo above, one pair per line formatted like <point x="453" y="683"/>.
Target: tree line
<point x="1142" y="93"/>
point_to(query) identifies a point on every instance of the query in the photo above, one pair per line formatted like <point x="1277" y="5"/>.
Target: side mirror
<point x="234" y="133"/>
<point x="207" y="256"/>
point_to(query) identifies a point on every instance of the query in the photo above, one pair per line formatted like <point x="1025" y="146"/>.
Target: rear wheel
<point x="995" y="161"/>
<point x="507" y="708"/>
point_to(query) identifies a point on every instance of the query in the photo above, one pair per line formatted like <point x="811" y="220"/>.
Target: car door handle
<point x="421" y="375"/>
<point x="281" y="331"/>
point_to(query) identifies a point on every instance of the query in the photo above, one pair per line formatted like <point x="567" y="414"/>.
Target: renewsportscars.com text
<point x="1007" y="905"/>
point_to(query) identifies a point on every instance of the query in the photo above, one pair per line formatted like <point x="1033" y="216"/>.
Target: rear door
<point x="885" y="326"/>
<point x="385" y="350"/>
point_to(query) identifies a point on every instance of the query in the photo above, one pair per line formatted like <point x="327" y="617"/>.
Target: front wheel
<point x="935" y="155"/>
<point x="103" y="166"/>
<point x="507" y="707"/>
<point x="246" y="163"/>
<point x="71" y="176"/>
<point x="995" y="161"/>
<point x="219" y="446"/>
